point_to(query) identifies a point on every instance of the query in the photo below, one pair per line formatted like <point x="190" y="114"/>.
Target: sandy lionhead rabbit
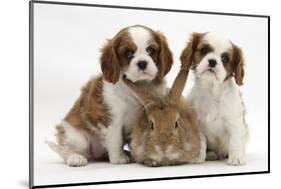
<point x="165" y="130"/>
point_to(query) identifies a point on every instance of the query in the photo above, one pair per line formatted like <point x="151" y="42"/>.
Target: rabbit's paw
<point x="150" y="163"/>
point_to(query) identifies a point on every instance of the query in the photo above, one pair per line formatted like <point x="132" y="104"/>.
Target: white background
<point x="67" y="42"/>
<point x="14" y="80"/>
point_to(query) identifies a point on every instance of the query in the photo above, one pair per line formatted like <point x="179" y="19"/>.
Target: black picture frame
<point x="31" y="91"/>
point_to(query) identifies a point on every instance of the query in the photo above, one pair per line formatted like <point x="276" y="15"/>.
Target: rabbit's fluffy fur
<point x="165" y="144"/>
<point x="165" y="131"/>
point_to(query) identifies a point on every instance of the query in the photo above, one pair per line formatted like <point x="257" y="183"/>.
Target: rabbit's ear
<point x="140" y="91"/>
<point x="186" y="63"/>
<point x="178" y="85"/>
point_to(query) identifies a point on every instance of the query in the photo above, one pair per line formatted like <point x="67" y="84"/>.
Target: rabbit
<point x="165" y="131"/>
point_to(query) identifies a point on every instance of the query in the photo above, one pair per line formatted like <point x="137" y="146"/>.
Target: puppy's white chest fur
<point x="220" y="112"/>
<point x="122" y="105"/>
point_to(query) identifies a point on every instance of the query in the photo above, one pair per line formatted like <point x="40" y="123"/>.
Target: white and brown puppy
<point x="97" y="123"/>
<point x="218" y="68"/>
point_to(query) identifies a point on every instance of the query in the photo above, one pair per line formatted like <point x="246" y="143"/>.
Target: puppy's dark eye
<point x="151" y="125"/>
<point x="204" y="50"/>
<point x="224" y="59"/>
<point x="129" y="54"/>
<point x="177" y="124"/>
<point x="150" y="51"/>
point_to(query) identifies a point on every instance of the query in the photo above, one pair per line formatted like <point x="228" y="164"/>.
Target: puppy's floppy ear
<point x="187" y="54"/>
<point x="238" y="60"/>
<point x="110" y="65"/>
<point x="165" y="56"/>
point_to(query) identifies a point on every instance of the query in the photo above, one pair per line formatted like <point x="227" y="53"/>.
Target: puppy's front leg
<point x="114" y="144"/>
<point x="237" y="140"/>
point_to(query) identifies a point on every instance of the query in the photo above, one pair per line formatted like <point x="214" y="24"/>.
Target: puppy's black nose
<point x="212" y="63"/>
<point x="142" y="65"/>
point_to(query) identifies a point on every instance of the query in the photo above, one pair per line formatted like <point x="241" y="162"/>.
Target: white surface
<point x="53" y="171"/>
<point x="14" y="94"/>
<point x="67" y="42"/>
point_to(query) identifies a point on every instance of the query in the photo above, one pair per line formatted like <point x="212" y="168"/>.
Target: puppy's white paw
<point x="236" y="160"/>
<point x="121" y="159"/>
<point x="76" y="160"/>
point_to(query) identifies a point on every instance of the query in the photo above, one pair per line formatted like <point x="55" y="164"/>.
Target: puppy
<point x="218" y="68"/>
<point x="100" y="118"/>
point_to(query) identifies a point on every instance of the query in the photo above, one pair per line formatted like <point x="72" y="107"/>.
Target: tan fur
<point x="165" y="144"/>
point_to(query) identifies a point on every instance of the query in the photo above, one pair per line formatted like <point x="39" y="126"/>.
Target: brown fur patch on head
<point x="189" y="57"/>
<point x="230" y="66"/>
<point x="201" y="50"/>
<point x="112" y="57"/>
<point x="235" y="65"/>
<point x="165" y="56"/>
<point x="124" y="44"/>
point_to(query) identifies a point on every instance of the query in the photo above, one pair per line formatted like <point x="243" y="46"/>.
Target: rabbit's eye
<point x="151" y="125"/>
<point x="177" y="124"/>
